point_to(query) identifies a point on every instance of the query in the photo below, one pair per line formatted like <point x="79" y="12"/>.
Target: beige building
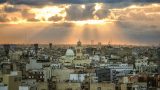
<point x="123" y="86"/>
<point x="42" y="86"/>
<point x="102" y="86"/>
<point x="68" y="58"/>
<point x="77" y="59"/>
<point x="62" y="74"/>
<point x="12" y="81"/>
<point x="68" y="86"/>
<point x="79" y="51"/>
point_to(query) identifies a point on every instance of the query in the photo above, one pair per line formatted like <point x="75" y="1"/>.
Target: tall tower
<point x="36" y="48"/>
<point x="6" y="49"/>
<point x="79" y="50"/>
<point x="50" y="45"/>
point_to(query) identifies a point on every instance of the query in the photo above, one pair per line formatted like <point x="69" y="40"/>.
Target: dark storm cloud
<point x="3" y="1"/>
<point x="77" y="13"/>
<point x="39" y="2"/>
<point x="137" y="22"/>
<point x="10" y="9"/>
<point x="28" y="16"/>
<point x="9" y="13"/>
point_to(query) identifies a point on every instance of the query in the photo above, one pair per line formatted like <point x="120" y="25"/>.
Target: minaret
<point x="79" y="49"/>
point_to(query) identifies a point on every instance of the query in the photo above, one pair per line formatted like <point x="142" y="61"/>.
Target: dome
<point x="69" y="53"/>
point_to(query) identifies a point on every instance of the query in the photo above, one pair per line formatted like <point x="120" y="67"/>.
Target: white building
<point x="33" y="65"/>
<point x="28" y="85"/>
<point x="77" y="77"/>
<point x="98" y="58"/>
<point x="141" y="64"/>
<point x="24" y="88"/>
<point x="68" y="58"/>
<point x="3" y="87"/>
<point x="117" y="66"/>
<point x="60" y="74"/>
<point x="77" y="59"/>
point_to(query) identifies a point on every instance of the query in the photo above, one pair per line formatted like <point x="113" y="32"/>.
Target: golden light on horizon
<point x="83" y="22"/>
<point x="19" y="21"/>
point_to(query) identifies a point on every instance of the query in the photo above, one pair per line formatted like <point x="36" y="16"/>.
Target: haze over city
<point x="67" y="21"/>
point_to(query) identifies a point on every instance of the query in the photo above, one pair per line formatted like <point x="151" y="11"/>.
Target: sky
<point x="135" y="22"/>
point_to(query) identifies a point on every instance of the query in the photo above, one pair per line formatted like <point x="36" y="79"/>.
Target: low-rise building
<point x="102" y="86"/>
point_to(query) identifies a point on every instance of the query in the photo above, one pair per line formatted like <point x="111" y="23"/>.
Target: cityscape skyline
<point x="79" y="44"/>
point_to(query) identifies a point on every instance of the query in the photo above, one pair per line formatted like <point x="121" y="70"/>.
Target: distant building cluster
<point x="79" y="67"/>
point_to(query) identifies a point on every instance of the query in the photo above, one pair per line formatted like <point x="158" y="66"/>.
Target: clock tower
<point x="79" y="51"/>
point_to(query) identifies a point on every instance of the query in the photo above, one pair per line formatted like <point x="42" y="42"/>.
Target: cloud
<point x="3" y="18"/>
<point x="3" y="1"/>
<point x="124" y="21"/>
<point x="74" y="12"/>
<point x="13" y="13"/>
<point x="10" y="8"/>
<point x="55" y="18"/>
<point x="138" y="23"/>
<point x="137" y="12"/>
<point x="42" y="2"/>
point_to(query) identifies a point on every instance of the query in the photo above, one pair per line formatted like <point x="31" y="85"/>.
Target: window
<point x="98" y="88"/>
<point x="78" y="57"/>
<point x="78" y="50"/>
<point x="15" y="79"/>
<point x="69" y="89"/>
<point x="1" y="79"/>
